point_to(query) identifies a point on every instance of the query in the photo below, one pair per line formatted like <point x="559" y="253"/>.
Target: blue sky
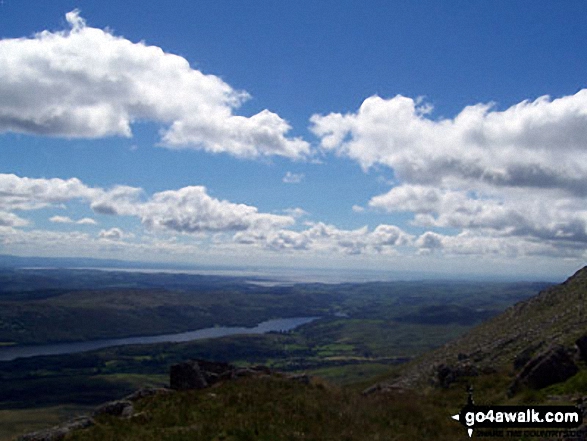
<point x="427" y="136"/>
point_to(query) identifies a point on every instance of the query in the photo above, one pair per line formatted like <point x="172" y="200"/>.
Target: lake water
<point x="284" y="324"/>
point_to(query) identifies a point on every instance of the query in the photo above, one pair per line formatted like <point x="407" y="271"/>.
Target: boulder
<point x="549" y="367"/>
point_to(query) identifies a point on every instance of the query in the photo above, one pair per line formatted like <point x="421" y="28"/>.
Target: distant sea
<point x="268" y="276"/>
<point x="280" y="276"/>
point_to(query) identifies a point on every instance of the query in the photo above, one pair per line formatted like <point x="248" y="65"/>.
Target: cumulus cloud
<point x="321" y="237"/>
<point x="86" y="82"/>
<point x="187" y="210"/>
<point x="516" y="178"/>
<point x="293" y="178"/>
<point x="86" y="221"/>
<point x="191" y="209"/>
<point x="11" y="220"/>
<point x="429" y="241"/>
<point x="532" y="144"/>
<point x="68" y="220"/>
<point x="296" y="212"/>
<point x="22" y="193"/>
<point x="61" y="220"/>
<point x="484" y="243"/>
<point x="111" y="234"/>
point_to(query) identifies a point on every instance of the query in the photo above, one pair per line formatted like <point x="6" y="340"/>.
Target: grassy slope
<point x="16" y="422"/>
<point x="556" y="315"/>
<point x="279" y="409"/>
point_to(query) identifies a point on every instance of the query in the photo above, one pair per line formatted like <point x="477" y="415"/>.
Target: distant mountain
<point x="557" y="315"/>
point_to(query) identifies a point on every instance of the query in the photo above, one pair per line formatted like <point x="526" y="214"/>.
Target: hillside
<point x="556" y="315"/>
<point x="257" y="403"/>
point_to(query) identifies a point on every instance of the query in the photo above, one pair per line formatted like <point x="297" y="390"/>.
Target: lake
<point x="9" y="353"/>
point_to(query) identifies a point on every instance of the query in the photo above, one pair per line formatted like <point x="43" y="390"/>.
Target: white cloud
<point x="22" y="193"/>
<point x="293" y="178"/>
<point x="322" y="238"/>
<point x="68" y="220"/>
<point x="515" y="177"/>
<point x="191" y="209"/>
<point x="429" y="241"/>
<point x="483" y="243"/>
<point x="561" y="220"/>
<point x="111" y="234"/>
<point x="94" y="84"/>
<point x="535" y="144"/>
<point x="296" y="213"/>
<point x="187" y="210"/>
<point x="61" y="220"/>
<point x="11" y="220"/>
<point x="86" y="221"/>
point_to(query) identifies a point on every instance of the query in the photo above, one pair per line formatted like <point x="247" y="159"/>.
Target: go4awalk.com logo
<point x="559" y="419"/>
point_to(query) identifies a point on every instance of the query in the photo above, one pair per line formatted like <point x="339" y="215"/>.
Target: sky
<point x="446" y="137"/>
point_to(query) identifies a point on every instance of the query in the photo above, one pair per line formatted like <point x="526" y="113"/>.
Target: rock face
<point x="525" y="356"/>
<point x="198" y="374"/>
<point x="551" y="366"/>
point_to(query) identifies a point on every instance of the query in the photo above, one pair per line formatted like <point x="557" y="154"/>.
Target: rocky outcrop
<point x="199" y="374"/>
<point x="549" y="367"/>
<point x="446" y="375"/>
<point x="193" y="374"/>
<point x="58" y="433"/>
<point x="147" y="392"/>
<point x="118" y="408"/>
<point x="524" y="356"/>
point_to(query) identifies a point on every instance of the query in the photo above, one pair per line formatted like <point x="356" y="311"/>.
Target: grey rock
<point x="148" y="392"/>
<point x="58" y="433"/>
<point x="446" y="375"/>
<point x="119" y="408"/>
